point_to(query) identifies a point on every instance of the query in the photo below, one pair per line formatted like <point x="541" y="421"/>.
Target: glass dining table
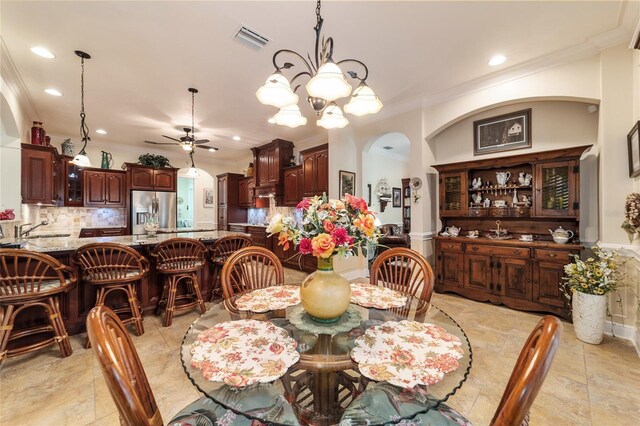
<point x="325" y="386"/>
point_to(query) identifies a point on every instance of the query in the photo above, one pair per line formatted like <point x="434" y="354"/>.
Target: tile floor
<point x="587" y="385"/>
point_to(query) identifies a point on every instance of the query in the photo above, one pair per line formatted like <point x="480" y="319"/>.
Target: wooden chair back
<point x="250" y="268"/>
<point x="403" y="270"/>
<point x="225" y="246"/>
<point x="110" y="262"/>
<point x="122" y="368"/>
<point x="178" y="255"/>
<point x="26" y="273"/>
<point x="529" y="372"/>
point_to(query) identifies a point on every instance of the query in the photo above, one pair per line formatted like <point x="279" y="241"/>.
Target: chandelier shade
<point x="363" y="101"/>
<point x="81" y="160"/>
<point x="290" y="116"/>
<point x="277" y="92"/>
<point x="329" y="83"/>
<point x="332" y="117"/>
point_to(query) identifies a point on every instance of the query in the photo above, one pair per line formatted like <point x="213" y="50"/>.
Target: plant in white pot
<point x="587" y="283"/>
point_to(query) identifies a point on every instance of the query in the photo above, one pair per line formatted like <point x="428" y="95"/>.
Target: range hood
<point x="269" y="160"/>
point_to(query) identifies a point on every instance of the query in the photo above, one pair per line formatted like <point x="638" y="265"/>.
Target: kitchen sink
<point x="32" y="237"/>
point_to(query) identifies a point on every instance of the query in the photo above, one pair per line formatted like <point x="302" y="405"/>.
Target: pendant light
<point x="192" y="172"/>
<point x="82" y="160"/>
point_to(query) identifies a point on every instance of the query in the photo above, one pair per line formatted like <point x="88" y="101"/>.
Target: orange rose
<point x="329" y="226"/>
<point x="365" y="223"/>
<point x="283" y="240"/>
<point x="323" y="245"/>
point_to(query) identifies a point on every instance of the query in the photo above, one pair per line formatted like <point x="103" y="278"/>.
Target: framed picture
<point x="208" y="197"/>
<point x="633" y="142"/>
<point x="397" y="195"/>
<point x="369" y="199"/>
<point x="502" y="133"/>
<point x="347" y="183"/>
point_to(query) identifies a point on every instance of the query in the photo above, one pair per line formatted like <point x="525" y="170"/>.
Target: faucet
<point x="20" y="233"/>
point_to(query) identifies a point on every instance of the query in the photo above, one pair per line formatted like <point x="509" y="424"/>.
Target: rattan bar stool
<point x="179" y="260"/>
<point x="29" y="280"/>
<point x="219" y="252"/>
<point x="114" y="268"/>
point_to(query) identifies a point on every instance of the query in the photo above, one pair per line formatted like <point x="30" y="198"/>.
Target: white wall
<point x="376" y="166"/>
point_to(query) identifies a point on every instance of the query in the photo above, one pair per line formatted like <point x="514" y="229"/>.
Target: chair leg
<point x="171" y="300"/>
<point x="100" y="296"/>
<point x="164" y="295"/>
<point x="59" y="330"/>
<point x="135" y="308"/>
<point x="6" y="325"/>
<point x="216" y="291"/>
<point x="198" y="294"/>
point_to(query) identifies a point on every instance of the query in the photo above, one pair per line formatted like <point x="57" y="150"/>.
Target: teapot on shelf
<point x="452" y="230"/>
<point x="561" y="235"/>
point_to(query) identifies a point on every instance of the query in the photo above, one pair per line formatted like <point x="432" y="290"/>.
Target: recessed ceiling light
<point x="212" y="150"/>
<point x="497" y="60"/>
<point x="271" y="120"/>
<point x="101" y="131"/>
<point x="53" y="92"/>
<point x="236" y="138"/>
<point x="43" y="52"/>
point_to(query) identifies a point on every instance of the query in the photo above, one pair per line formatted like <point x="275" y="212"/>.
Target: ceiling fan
<point x="187" y="142"/>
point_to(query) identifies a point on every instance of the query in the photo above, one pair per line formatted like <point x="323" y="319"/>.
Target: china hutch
<point x="523" y="194"/>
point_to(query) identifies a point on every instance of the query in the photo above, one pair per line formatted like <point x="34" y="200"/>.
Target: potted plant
<point x="329" y="228"/>
<point x="154" y="160"/>
<point x="587" y="283"/>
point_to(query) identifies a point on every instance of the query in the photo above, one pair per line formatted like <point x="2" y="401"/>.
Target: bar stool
<point x="113" y="268"/>
<point x="28" y="280"/>
<point x="219" y="252"/>
<point x="178" y="260"/>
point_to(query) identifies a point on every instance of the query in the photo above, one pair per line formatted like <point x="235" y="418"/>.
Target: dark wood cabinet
<point x="269" y="161"/>
<point x="258" y="235"/>
<point x="406" y="206"/>
<point x="102" y="232"/>
<point x="245" y="192"/>
<point x="315" y="170"/>
<point x="450" y="259"/>
<point x="479" y="272"/>
<point x="290" y="258"/>
<point x="41" y="173"/>
<point x="146" y="178"/>
<point x="514" y="278"/>
<point x="229" y="209"/>
<point x="222" y="218"/>
<point x="556" y="189"/>
<point x="104" y="188"/>
<point x="453" y="194"/>
<point x="292" y="186"/>
<point x="72" y="183"/>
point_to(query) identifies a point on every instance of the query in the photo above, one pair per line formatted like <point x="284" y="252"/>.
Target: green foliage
<point x="154" y="160"/>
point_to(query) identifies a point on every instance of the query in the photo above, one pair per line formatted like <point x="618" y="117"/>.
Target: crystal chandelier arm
<point x="288" y="65"/>
<point x="353" y="74"/>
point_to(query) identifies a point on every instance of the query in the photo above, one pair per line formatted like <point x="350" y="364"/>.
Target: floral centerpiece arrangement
<point x="329" y="228"/>
<point x="631" y="222"/>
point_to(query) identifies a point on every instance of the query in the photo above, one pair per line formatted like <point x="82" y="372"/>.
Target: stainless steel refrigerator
<point x="144" y="203"/>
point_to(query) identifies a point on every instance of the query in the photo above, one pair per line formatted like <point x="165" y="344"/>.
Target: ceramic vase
<point x="325" y="294"/>
<point x="588" y="316"/>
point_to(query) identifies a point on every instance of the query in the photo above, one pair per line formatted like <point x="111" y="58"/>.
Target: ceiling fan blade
<point x="161" y="143"/>
<point x="207" y="147"/>
<point x="201" y="141"/>
<point x="169" y="137"/>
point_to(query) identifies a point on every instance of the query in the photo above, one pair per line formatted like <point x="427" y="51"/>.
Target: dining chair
<point x="114" y="268"/>
<point x="128" y="383"/>
<point x="403" y="270"/>
<point x="178" y="261"/>
<point x="219" y="251"/>
<point x="526" y="379"/>
<point x="31" y="280"/>
<point x="250" y="268"/>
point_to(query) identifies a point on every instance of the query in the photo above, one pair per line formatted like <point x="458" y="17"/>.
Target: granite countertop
<point x="259" y="225"/>
<point x="45" y="245"/>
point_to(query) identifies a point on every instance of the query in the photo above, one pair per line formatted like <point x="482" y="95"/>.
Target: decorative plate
<point x="373" y="296"/>
<point x="241" y="353"/>
<point x="269" y="298"/>
<point x="415" y="183"/>
<point x="407" y="353"/>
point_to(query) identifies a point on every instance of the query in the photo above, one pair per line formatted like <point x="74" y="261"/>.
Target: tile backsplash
<point x="72" y="219"/>
<point x="259" y="216"/>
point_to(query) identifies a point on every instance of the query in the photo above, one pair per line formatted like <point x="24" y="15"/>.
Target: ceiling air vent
<point x="250" y="37"/>
<point x="387" y="147"/>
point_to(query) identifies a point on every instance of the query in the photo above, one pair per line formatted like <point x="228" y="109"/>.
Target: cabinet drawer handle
<point x="551" y="255"/>
<point x="474" y="248"/>
<point x="449" y="245"/>
<point x="516" y="252"/>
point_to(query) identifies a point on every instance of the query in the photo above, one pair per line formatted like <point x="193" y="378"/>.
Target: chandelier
<point x="81" y="159"/>
<point x="326" y="84"/>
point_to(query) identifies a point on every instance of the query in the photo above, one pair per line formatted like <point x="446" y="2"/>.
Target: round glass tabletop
<point x="325" y="385"/>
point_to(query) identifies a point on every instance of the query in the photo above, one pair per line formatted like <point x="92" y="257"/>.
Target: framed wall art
<point x="397" y="197"/>
<point x="633" y="143"/>
<point x="347" y="183"/>
<point x="208" y="197"/>
<point x="502" y="133"/>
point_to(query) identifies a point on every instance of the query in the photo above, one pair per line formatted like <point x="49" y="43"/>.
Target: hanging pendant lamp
<point x="82" y="160"/>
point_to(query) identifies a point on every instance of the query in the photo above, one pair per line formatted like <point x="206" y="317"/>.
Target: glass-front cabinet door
<point x="453" y="194"/>
<point x="556" y="189"/>
<point x="73" y="183"/>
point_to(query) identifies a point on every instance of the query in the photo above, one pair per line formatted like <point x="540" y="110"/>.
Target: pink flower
<point x="305" y="246"/>
<point x="304" y="204"/>
<point x="340" y="236"/>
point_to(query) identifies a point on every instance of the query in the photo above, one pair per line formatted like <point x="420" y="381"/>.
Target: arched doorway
<point x="9" y="158"/>
<point x="192" y="212"/>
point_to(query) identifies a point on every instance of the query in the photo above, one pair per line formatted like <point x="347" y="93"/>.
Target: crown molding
<point x="14" y="81"/>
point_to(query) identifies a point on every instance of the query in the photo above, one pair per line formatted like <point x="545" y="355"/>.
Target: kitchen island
<point x="77" y="303"/>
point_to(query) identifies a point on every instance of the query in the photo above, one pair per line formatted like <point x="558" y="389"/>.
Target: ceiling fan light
<point x="329" y="83"/>
<point x="276" y="92"/>
<point x="290" y="116"/>
<point x="81" y="160"/>
<point x="332" y="117"/>
<point x="363" y="101"/>
<point x="186" y="146"/>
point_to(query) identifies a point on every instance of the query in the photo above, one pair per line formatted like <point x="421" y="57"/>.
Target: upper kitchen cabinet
<point x="229" y="209"/>
<point x="292" y="186"/>
<point x="104" y="188"/>
<point x="269" y="160"/>
<point x="72" y="183"/>
<point x="315" y="170"/>
<point x="42" y="175"/>
<point x="245" y="192"/>
<point x="146" y="178"/>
